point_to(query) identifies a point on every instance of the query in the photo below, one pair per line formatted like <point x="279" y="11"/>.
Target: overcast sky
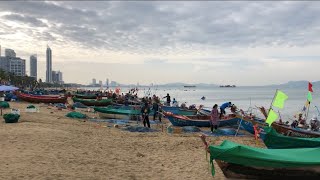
<point x="242" y="43"/>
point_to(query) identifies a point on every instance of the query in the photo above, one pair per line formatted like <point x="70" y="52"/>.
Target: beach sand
<point x="48" y="145"/>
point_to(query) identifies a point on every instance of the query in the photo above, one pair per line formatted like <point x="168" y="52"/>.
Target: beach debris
<point x="116" y="125"/>
<point x="140" y="155"/>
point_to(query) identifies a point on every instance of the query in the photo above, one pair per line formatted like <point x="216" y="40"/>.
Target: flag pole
<point x="308" y="111"/>
<point x="274" y="96"/>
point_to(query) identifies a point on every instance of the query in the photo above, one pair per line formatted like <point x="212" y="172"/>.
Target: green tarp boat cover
<point x="111" y="110"/>
<point x="76" y="115"/>
<point x="274" y="140"/>
<point x="257" y="157"/>
<point x="4" y="104"/>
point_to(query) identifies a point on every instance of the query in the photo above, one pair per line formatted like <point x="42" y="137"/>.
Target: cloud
<point x="25" y="19"/>
<point x="199" y="36"/>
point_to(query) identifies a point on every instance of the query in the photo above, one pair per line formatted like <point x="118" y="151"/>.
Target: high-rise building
<point x="100" y="83"/>
<point x="49" y="65"/>
<point x="94" y="81"/>
<point x="33" y="66"/>
<point x="10" y="53"/>
<point x="17" y="66"/>
<point x="13" y="64"/>
<point x="57" y="77"/>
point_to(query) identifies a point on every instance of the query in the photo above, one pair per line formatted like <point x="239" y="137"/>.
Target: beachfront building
<point x="17" y="66"/>
<point x="13" y="64"/>
<point x="94" y="81"/>
<point x="9" y="53"/>
<point x="33" y="66"/>
<point x="57" y="77"/>
<point x="49" y="65"/>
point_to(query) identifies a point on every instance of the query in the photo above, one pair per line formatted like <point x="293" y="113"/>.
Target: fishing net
<point x="4" y="104"/>
<point x="77" y="115"/>
<point x="11" y="118"/>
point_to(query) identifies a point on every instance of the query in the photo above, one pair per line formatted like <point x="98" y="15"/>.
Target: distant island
<point x="227" y="86"/>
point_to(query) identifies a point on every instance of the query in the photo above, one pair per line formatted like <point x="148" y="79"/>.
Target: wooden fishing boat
<point x="274" y="140"/>
<point x="236" y="171"/>
<point x="92" y="102"/>
<point x="180" y="111"/>
<point x="199" y="120"/>
<point x="245" y="162"/>
<point x="42" y="98"/>
<point x="86" y="96"/>
<point x="294" y="132"/>
<point x="113" y="112"/>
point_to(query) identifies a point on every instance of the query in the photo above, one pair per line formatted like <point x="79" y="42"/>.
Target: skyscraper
<point x="49" y="65"/>
<point x="94" y="81"/>
<point x="33" y="66"/>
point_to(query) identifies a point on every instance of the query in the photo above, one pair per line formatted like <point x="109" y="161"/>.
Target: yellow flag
<point x="272" y="116"/>
<point x="279" y="99"/>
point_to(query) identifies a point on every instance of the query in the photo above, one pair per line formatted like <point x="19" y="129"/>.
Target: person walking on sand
<point x="214" y="118"/>
<point x="145" y="110"/>
<point x="223" y="107"/>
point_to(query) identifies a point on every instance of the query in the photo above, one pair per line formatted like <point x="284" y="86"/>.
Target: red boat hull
<point x="42" y="99"/>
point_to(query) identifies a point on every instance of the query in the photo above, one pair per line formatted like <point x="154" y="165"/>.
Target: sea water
<point x="246" y="98"/>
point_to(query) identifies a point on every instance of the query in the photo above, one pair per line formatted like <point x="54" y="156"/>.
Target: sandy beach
<point x="48" y="145"/>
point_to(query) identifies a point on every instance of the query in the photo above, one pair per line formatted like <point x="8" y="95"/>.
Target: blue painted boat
<point x="199" y="121"/>
<point x="178" y="110"/>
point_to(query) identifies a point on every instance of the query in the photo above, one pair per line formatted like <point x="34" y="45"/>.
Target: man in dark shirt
<point x="145" y="110"/>
<point x="168" y="99"/>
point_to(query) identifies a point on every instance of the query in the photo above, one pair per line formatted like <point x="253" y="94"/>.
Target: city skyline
<point x="242" y="43"/>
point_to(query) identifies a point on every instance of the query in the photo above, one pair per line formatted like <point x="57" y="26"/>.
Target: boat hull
<point x="237" y="171"/>
<point x="294" y="132"/>
<point x="178" y="120"/>
<point x="87" y="102"/>
<point x="41" y="99"/>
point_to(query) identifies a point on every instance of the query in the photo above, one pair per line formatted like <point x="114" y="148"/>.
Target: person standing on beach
<point x="223" y="107"/>
<point x="156" y="111"/>
<point x="214" y="118"/>
<point x="168" y="99"/>
<point x="145" y="110"/>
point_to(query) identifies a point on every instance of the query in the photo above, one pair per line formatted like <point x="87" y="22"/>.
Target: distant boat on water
<point x="189" y="86"/>
<point x="228" y="86"/>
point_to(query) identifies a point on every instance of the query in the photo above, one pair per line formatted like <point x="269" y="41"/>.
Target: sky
<point x="238" y="42"/>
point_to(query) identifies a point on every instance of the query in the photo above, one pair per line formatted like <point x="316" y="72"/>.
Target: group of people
<point x="301" y="122"/>
<point x="215" y="115"/>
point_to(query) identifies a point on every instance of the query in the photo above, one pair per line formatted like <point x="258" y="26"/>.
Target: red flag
<point x="310" y="87"/>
